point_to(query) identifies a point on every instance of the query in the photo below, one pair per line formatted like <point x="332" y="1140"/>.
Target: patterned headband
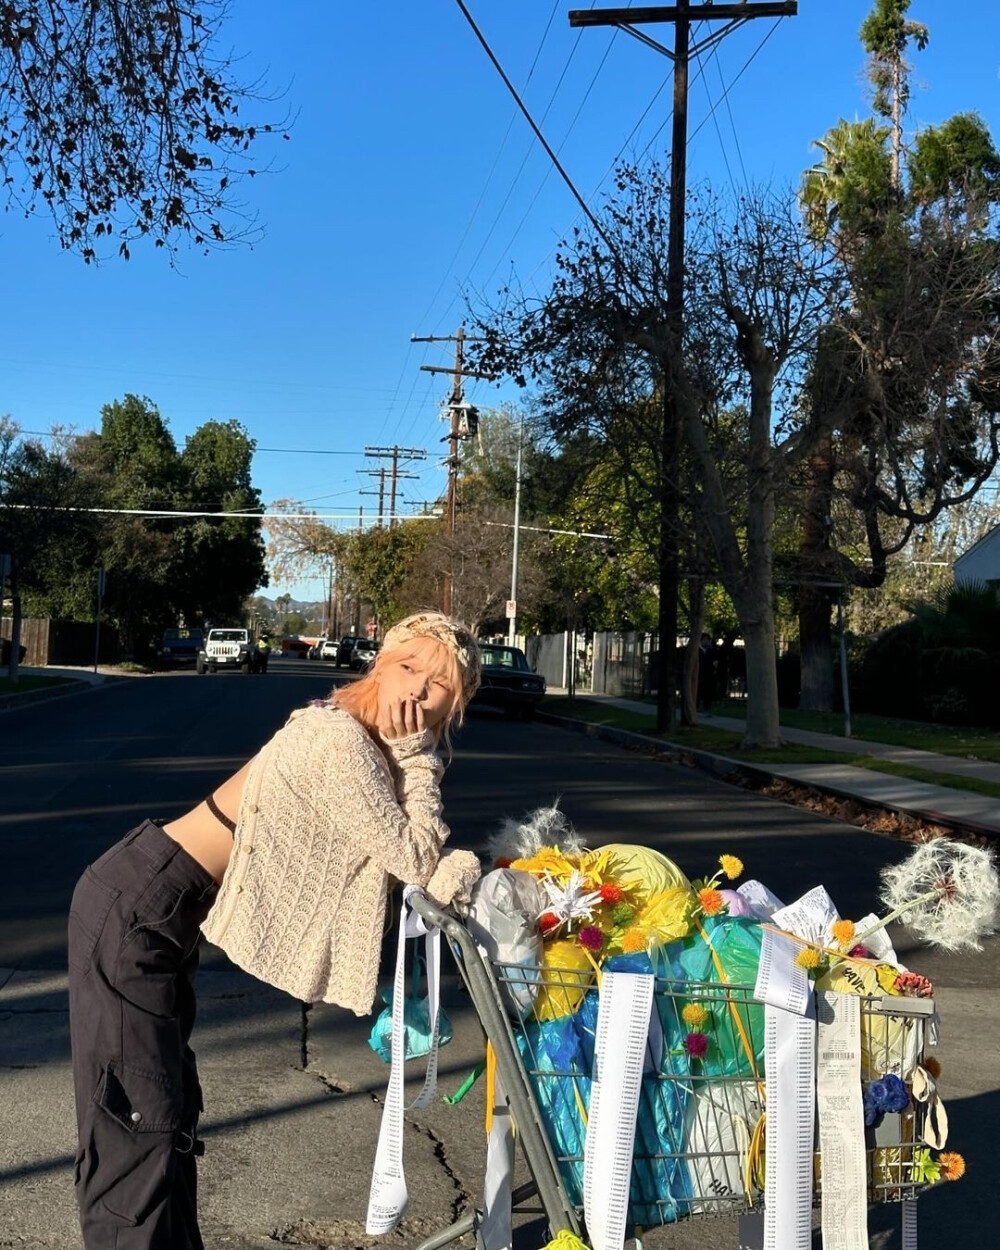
<point x="451" y="634"/>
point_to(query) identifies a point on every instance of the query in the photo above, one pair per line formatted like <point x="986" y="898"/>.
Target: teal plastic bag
<point x="418" y="1027"/>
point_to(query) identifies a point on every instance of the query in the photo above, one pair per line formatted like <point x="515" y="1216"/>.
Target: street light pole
<point x="512" y="626"/>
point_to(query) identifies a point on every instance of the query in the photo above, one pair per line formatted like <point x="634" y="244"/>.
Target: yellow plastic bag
<point x="567" y="974"/>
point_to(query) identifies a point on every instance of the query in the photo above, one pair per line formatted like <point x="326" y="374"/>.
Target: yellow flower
<point x="732" y="866"/>
<point x="549" y="861"/>
<point x="694" y="1015"/>
<point x="952" y="1165"/>
<point x="711" y="901"/>
<point x="843" y="932"/>
<point x="597" y="867"/>
<point x="808" y="958"/>
<point x="635" y="939"/>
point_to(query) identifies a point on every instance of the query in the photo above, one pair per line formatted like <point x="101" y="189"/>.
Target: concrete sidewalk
<point x="936" y="804"/>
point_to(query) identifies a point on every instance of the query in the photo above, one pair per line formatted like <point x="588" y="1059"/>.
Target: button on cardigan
<point x="326" y="820"/>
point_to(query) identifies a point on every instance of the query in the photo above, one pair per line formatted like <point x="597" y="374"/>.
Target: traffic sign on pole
<point x="511" y="609"/>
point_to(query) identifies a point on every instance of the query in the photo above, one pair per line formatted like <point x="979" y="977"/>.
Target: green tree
<point x="218" y="563"/>
<point x="38" y="491"/>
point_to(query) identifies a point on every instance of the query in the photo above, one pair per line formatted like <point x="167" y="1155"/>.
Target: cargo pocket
<point x="133" y="1143"/>
<point x="92" y="902"/>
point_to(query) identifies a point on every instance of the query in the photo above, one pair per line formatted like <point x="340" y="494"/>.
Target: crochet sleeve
<point x="402" y="832"/>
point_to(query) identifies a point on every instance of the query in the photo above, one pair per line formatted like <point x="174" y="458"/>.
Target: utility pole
<point x="395" y="454"/>
<point x="458" y="411"/>
<point x="681" y="14"/>
<point x="380" y="474"/>
<point x="512" y="624"/>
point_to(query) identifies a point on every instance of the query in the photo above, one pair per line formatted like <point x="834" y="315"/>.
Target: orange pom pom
<point x="711" y="901"/>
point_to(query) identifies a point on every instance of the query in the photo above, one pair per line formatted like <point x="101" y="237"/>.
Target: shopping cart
<point x="695" y="1129"/>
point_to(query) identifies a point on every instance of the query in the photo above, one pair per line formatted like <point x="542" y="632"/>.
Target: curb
<point x="724" y="768"/>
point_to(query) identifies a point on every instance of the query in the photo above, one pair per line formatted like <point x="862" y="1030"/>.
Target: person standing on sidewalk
<point x="287" y="867"/>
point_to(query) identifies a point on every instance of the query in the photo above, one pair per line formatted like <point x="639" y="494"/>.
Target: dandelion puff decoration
<point x="947" y="893"/>
<point x="521" y="839"/>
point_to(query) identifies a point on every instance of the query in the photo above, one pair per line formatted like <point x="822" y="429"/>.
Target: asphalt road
<point x="77" y="773"/>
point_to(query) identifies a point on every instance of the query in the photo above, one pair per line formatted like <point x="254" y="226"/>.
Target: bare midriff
<point x="204" y="837"/>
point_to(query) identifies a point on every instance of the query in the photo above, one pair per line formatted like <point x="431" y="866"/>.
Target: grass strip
<point x="725" y="742"/>
<point x="31" y="682"/>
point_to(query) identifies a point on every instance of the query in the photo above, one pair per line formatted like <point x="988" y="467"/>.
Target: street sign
<point x="511" y="609"/>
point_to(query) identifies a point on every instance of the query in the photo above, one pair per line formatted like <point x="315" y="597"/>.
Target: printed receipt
<point x="841" y="1121"/>
<point x="780" y="980"/>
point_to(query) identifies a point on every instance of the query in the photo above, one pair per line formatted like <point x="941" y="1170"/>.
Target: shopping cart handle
<point x="428" y="910"/>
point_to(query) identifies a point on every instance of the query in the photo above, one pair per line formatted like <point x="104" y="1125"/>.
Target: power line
<point x="534" y="126"/>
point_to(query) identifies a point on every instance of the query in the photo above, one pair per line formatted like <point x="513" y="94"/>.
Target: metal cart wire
<point x="696" y="1120"/>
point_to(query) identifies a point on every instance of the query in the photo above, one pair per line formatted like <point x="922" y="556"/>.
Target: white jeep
<point x="226" y="648"/>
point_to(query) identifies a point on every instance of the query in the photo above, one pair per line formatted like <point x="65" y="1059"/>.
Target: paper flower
<point x="548" y="861"/>
<point x="635" y="940"/>
<point x="570" y="901"/>
<point x="694" y="1015"/>
<point x="711" y="901"/>
<point x="591" y="938"/>
<point x="947" y="893"/>
<point x="889" y="1093"/>
<point x="696" y="1045"/>
<point x="732" y="866"/>
<point x="843" y="932"/>
<point x="924" y="1169"/>
<point x="913" y="985"/>
<point x="860" y="952"/>
<point x="622" y="915"/>
<point x="952" y="1165"/>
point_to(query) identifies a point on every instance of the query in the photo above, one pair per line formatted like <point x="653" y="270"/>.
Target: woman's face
<point x="412" y="675"/>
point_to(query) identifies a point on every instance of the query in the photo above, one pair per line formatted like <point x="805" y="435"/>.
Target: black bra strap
<point x="213" y="807"/>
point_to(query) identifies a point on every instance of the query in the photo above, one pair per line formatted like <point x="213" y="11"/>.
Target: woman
<point x="287" y="867"/>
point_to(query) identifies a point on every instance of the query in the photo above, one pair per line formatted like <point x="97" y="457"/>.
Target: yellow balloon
<point x="646" y="872"/>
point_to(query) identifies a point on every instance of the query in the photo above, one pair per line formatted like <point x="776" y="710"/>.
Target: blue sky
<point x="408" y="179"/>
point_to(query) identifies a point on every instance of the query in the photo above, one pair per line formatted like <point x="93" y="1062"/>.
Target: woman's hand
<point x="400" y="718"/>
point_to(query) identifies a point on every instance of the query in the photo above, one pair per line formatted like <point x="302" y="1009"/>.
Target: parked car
<point x="508" y="682"/>
<point x="362" y="654"/>
<point x="314" y="651"/>
<point x="330" y="650"/>
<point x="344" y="649"/>
<point x="180" y="646"/>
<point x="226" y="649"/>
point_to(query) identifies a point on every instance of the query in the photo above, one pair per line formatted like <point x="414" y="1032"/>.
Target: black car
<point x="508" y="681"/>
<point x="345" y="648"/>
<point x="180" y="646"/>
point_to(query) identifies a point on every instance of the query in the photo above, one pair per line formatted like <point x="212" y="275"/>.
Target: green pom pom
<point x="622" y="914"/>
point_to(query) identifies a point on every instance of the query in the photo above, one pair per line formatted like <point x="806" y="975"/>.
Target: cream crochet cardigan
<point x="325" y="821"/>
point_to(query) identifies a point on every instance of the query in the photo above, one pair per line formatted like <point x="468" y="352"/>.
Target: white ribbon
<point x="387" y="1198"/>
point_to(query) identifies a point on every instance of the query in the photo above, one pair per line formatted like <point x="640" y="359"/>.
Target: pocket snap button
<point x="136" y="1117"/>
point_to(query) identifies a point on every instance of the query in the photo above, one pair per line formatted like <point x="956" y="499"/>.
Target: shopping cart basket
<point x="696" y="1121"/>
